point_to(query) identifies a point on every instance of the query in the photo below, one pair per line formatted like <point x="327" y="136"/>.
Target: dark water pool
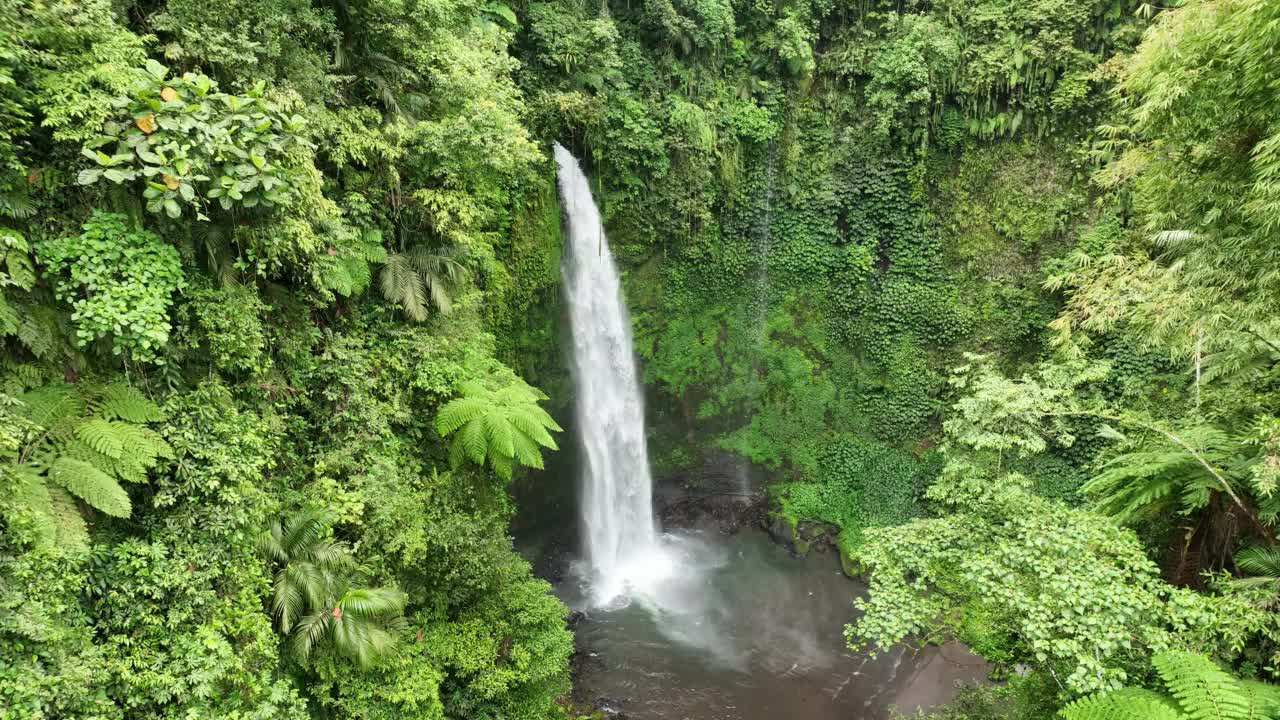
<point x="751" y="633"/>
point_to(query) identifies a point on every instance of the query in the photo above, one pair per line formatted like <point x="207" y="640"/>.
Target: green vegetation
<point x="987" y="287"/>
<point x="228" y="493"/>
<point x="1196" y="689"/>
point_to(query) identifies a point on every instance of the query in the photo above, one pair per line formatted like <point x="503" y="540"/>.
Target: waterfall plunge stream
<point x="620" y="536"/>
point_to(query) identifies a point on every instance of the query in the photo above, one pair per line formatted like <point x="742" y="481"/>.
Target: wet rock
<point x="779" y="528"/>
<point x="848" y="565"/>
<point x="611" y="707"/>
<point x="583" y="664"/>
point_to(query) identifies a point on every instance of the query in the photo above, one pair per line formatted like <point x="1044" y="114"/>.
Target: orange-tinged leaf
<point x="169" y="94"/>
<point x="171" y="182"/>
<point x="147" y="123"/>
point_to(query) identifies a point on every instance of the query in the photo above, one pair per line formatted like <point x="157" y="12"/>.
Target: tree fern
<point x="1147" y="481"/>
<point x="65" y="521"/>
<point x="505" y="427"/>
<point x="1204" y="691"/>
<point x="1126" y="704"/>
<point x="1197" y="690"/>
<point x="123" y="402"/>
<point x="52" y="404"/>
<point x="346" y="269"/>
<point x="1264" y="699"/>
<point x="79" y="444"/>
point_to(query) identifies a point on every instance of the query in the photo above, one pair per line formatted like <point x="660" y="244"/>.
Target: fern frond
<point x="127" y="403"/>
<point x="143" y="445"/>
<point x="49" y="405"/>
<point x="357" y="268"/>
<point x="528" y="425"/>
<point x="456" y="413"/>
<point x="1204" y="691"/>
<point x="473" y="440"/>
<point x="118" y="467"/>
<point x="9" y="320"/>
<point x="30" y="490"/>
<point x="457" y="453"/>
<point x="20" y="378"/>
<point x="498" y="433"/>
<point x="517" y="393"/>
<point x="502" y="465"/>
<point x="1125" y="704"/>
<point x="69" y="526"/>
<point x="526" y="451"/>
<point x="104" y="436"/>
<point x="1263" y="698"/>
<point x="543" y="417"/>
<point x="90" y="484"/>
<point x="506" y="426"/>
<point x="1136" y="483"/>
<point x="38" y="330"/>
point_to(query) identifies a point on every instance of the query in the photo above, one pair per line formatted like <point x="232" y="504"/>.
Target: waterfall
<point x="763" y="246"/>
<point x="619" y="533"/>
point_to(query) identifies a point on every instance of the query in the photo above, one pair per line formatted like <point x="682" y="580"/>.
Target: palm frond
<point x="1261" y="561"/>
<point x="17" y="205"/>
<point x="309" y="633"/>
<point x="402" y="285"/>
<point x="373" y="603"/>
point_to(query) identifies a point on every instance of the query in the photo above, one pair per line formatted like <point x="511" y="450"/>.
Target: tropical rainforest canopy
<point x="992" y="290"/>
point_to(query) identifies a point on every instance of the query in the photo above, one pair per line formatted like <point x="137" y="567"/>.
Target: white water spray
<point x="619" y="533"/>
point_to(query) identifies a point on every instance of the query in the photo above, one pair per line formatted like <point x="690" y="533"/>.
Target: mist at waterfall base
<point x="694" y="623"/>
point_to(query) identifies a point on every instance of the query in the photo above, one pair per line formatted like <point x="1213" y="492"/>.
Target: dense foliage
<point x="988" y="287"/>
<point x="228" y="495"/>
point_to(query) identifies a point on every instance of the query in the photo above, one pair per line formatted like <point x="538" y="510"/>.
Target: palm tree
<point x="1263" y="567"/>
<point x="365" y="72"/>
<point x="420" y="277"/>
<point x="316" y="599"/>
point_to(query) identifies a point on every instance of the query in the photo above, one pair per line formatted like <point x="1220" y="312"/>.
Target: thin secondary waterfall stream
<point x="620" y="537"/>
